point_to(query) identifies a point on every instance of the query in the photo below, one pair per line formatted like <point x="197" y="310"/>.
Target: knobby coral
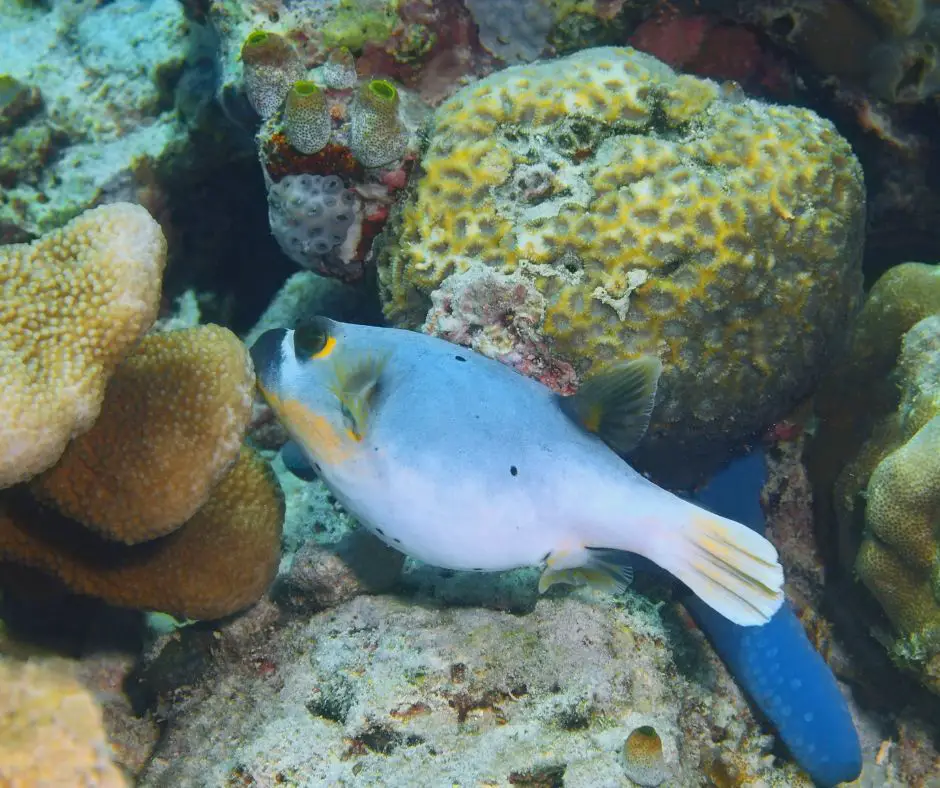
<point x="170" y="428"/>
<point x="72" y="305"/>
<point x="51" y="729"/>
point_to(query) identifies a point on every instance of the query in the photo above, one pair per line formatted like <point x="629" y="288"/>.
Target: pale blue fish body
<point x="461" y="462"/>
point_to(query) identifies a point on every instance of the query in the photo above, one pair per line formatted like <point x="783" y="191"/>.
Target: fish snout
<point x="267" y="354"/>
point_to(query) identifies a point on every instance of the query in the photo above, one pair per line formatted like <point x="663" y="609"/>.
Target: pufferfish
<point x="461" y="462"/>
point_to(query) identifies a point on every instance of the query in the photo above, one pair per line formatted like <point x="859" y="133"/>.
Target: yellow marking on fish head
<point x="311" y="429"/>
<point x="328" y="347"/>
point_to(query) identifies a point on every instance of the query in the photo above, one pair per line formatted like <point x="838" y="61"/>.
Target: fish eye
<point x="313" y="340"/>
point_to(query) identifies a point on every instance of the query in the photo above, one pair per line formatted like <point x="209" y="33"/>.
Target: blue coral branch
<point x="776" y="664"/>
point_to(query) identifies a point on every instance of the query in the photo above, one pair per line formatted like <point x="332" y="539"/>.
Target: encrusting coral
<point x="874" y="460"/>
<point x="51" y="729"/>
<point x="649" y="212"/>
<point x="219" y="562"/>
<point x="72" y="305"/>
<point x="899" y="560"/>
<point x="170" y="428"/>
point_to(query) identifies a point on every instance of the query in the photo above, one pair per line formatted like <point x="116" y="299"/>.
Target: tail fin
<point x="728" y="566"/>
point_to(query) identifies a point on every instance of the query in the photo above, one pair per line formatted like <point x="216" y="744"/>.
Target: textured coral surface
<point x="72" y="305"/>
<point x="899" y="559"/>
<point x="51" y="730"/>
<point x="874" y="461"/>
<point x="653" y="213"/>
<point x="171" y="425"/>
<point x="218" y="562"/>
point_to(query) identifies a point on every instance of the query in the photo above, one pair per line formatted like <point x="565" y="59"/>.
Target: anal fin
<point x="598" y="567"/>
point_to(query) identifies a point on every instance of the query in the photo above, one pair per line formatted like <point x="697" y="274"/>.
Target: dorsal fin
<point x="357" y="385"/>
<point x="616" y="404"/>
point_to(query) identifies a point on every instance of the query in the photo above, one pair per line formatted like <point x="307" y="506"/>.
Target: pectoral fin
<point x="616" y="404"/>
<point x="296" y="462"/>
<point x="357" y="387"/>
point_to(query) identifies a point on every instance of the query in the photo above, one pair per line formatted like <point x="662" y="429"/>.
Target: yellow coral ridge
<point x="719" y="233"/>
<point x="72" y="304"/>
<point x="170" y="427"/>
<point x="220" y="561"/>
<point x="51" y="730"/>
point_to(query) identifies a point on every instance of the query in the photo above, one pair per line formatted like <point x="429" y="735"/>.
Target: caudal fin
<point x="728" y="566"/>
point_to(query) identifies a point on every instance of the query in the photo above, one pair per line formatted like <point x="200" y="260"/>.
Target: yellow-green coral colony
<point x="723" y="236"/>
<point x="307" y="118"/>
<point x="271" y="66"/>
<point x="376" y="135"/>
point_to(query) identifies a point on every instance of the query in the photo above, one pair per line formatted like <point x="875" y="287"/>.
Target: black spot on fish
<point x="396" y="541"/>
<point x="316" y="467"/>
<point x="380" y="532"/>
<point x="513" y="470"/>
<point x="460" y="358"/>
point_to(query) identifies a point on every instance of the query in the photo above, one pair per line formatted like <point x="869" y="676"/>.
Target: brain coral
<point x="899" y="559"/>
<point x="51" y="729"/>
<point x="652" y="213"/>
<point x="170" y="428"/>
<point x="72" y="304"/>
<point x="220" y="561"/>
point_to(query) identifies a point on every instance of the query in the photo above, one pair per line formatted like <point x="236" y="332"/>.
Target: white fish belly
<point x="462" y="527"/>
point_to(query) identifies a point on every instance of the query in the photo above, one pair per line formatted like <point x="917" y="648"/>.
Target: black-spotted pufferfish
<point x="463" y="463"/>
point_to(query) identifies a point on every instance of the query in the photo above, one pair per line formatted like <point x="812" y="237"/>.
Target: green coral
<point x="887" y="498"/>
<point x="899" y="560"/>
<point x="357" y="22"/>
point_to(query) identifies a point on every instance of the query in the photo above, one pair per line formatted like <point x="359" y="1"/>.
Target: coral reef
<point x="875" y="441"/>
<point x="74" y="303"/>
<point x="171" y="425"/>
<point x="334" y="159"/>
<point x="386" y="691"/>
<point x="310" y="215"/>
<point x="51" y="729"/>
<point x="171" y="524"/>
<point x="515" y="31"/>
<point x="218" y="562"/>
<point x="96" y="105"/>
<point x="637" y="228"/>
<point x="898" y="559"/>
